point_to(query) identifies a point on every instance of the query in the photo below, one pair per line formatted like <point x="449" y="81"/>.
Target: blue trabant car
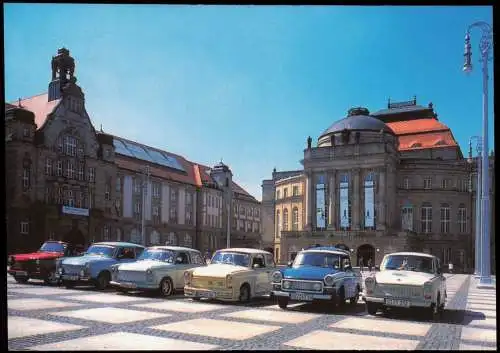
<point x="94" y="267"/>
<point x="318" y="274"/>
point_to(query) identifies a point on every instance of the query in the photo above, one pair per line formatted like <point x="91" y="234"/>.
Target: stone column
<point x="308" y="198"/>
<point x="381" y="206"/>
<point x="355" y="200"/>
<point x="312" y="202"/>
<point x="331" y="201"/>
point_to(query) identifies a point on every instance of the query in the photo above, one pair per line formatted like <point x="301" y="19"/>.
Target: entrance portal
<point x="366" y="252"/>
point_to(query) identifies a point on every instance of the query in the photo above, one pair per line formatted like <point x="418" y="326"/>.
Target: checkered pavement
<point x="50" y="318"/>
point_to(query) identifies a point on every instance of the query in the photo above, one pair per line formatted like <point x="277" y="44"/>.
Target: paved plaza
<point x="51" y="318"/>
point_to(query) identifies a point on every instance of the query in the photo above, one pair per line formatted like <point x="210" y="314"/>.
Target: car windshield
<point x="158" y="255"/>
<point x="52" y="247"/>
<point x="407" y="263"/>
<point x="103" y="250"/>
<point x="231" y="258"/>
<point x="318" y="259"/>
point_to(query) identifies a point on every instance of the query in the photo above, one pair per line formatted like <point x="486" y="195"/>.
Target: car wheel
<point x="102" y="280"/>
<point x="354" y="300"/>
<point x="166" y="287"/>
<point x="51" y="279"/>
<point x="69" y="284"/>
<point x="21" y="279"/>
<point x="372" y="308"/>
<point x="282" y="302"/>
<point x="244" y="293"/>
<point x="341" y="298"/>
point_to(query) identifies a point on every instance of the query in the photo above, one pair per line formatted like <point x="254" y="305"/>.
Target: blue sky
<point x="245" y="83"/>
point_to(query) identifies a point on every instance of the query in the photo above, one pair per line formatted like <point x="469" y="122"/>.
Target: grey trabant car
<point x="158" y="268"/>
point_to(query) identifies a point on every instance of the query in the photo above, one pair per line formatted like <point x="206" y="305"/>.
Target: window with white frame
<point x="69" y="200"/>
<point x="60" y="195"/>
<point x="118" y="184"/>
<point x="445" y="183"/>
<point x="427" y="183"/>
<point x="92" y="174"/>
<point x="406" y="183"/>
<point x="285" y="193"/>
<point x="173" y="213"/>
<point x="407" y="218"/>
<point x="285" y="219"/>
<point x="105" y="233"/>
<point x="137" y="185"/>
<point x="59" y="168"/>
<point x="277" y="194"/>
<point x="445" y="218"/>
<point x="156" y="214"/>
<point x="462" y="218"/>
<point x="156" y="190"/>
<point x="295" y="218"/>
<point x="241" y="225"/>
<point x="70" y="169"/>
<point x="25" y="227"/>
<point x="188" y="240"/>
<point x="426" y="218"/>
<point x="81" y="170"/>
<point x="172" y="239"/>
<point x="26" y="178"/>
<point x="48" y="166"/>
<point x="173" y="195"/>
<point x="295" y="190"/>
<point x="242" y="211"/>
<point x="70" y="145"/>
<point x="137" y="208"/>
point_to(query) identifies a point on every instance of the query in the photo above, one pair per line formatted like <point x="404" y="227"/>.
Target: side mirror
<point x="290" y="263"/>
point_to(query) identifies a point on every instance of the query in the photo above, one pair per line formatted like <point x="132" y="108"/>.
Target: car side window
<point x="138" y="252"/>
<point x="258" y="260"/>
<point x="126" y="253"/>
<point x="182" y="258"/>
<point x="269" y="260"/>
<point x="346" y="262"/>
<point x="196" y="259"/>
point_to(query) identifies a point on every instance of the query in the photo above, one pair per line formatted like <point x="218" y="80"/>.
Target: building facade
<point x="377" y="183"/>
<point x="65" y="180"/>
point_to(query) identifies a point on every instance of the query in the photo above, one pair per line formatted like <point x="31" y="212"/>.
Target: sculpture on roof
<point x="63" y="66"/>
<point x="309" y="142"/>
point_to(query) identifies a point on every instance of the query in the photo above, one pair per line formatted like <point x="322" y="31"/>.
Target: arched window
<point x="444" y="216"/>
<point x="369" y="212"/>
<point x="172" y="239"/>
<point x="285" y="219"/>
<point x="155" y="238"/>
<point x="295" y="218"/>
<point x="278" y="224"/>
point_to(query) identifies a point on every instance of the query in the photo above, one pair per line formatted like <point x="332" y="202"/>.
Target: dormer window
<point x="440" y="143"/>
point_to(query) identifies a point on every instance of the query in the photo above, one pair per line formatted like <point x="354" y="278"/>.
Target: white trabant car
<point x="235" y="274"/>
<point x="158" y="268"/>
<point x="407" y="280"/>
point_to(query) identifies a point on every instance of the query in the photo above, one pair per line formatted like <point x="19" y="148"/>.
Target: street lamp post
<point x="145" y="181"/>
<point x="484" y="47"/>
<point x="477" y="251"/>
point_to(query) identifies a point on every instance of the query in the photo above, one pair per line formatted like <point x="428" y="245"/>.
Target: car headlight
<point x="277" y="277"/>
<point x="187" y="278"/>
<point x="369" y="282"/>
<point x="229" y="281"/>
<point x="286" y="284"/>
<point x="317" y="286"/>
<point x="427" y="287"/>
<point x="149" y="275"/>
<point x="114" y="269"/>
<point x="328" y="280"/>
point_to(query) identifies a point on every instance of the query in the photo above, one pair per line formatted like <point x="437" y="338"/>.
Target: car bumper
<point x="134" y="285"/>
<point x="75" y="278"/>
<point x="413" y="303"/>
<point x="31" y="274"/>
<point x="219" y="294"/>
<point x="313" y="296"/>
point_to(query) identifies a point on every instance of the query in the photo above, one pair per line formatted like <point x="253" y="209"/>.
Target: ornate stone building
<point x="67" y="181"/>
<point x="377" y="183"/>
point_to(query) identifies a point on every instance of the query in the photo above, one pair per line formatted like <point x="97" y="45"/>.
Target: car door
<point x="260" y="274"/>
<point x="270" y="268"/>
<point x="182" y="262"/>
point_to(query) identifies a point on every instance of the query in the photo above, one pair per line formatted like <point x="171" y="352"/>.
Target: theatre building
<point x="375" y="183"/>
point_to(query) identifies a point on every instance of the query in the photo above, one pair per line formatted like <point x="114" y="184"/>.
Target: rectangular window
<point x="105" y="233"/>
<point x="445" y="183"/>
<point x="173" y="195"/>
<point x="81" y="171"/>
<point x="69" y="200"/>
<point x="59" y="195"/>
<point x="26" y="178"/>
<point x="26" y="132"/>
<point x="156" y="190"/>
<point x="462" y="220"/>
<point x="59" y="168"/>
<point x="277" y="194"/>
<point x="92" y="174"/>
<point x="285" y="193"/>
<point x="70" y="170"/>
<point x="407" y="218"/>
<point x="445" y="219"/>
<point x="173" y="213"/>
<point x="295" y="191"/>
<point x="426" y="219"/>
<point x="118" y="185"/>
<point x="427" y="183"/>
<point x="48" y="166"/>
<point x="107" y="191"/>
<point x="406" y="183"/>
<point x="25" y="228"/>
<point x="70" y="145"/>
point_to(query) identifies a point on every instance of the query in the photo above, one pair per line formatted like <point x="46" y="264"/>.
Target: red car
<point x="41" y="264"/>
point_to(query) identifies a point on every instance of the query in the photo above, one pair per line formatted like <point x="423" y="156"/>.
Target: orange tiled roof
<point x="426" y="140"/>
<point x="40" y="106"/>
<point x="415" y="126"/>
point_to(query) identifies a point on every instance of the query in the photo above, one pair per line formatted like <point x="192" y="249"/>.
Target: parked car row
<point x="319" y="274"/>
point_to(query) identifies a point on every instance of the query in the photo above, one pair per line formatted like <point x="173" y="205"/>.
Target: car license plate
<point x="209" y="295"/>
<point x="398" y="302"/>
<point x="128" y="285"/>
<point x="21" y="273"/>
<point x="70" y="277"/>
<point x="301" y="296"/>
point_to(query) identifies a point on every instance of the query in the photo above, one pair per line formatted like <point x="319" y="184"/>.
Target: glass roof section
<point x="144" y="153"/>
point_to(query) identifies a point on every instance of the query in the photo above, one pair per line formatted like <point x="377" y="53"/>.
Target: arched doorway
<point x="366" y="252"/>
<point x="74" y="237"/>
<point x="343" y="247"/>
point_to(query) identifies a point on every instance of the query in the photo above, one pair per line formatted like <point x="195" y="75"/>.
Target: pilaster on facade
<point x="356" y="211"/>
<point x="332" y="208"/>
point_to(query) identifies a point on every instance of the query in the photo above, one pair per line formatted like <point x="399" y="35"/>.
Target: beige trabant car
<point x="235" y="274"/>
<point x="407" y="280"/>
<point x="159" y="268"/>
